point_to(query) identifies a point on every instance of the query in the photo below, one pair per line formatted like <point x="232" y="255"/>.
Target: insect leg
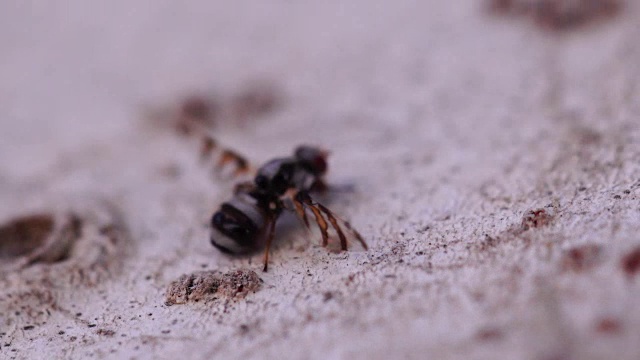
<point x="300" y="211"/>
<point x="302" y="199"/>
<point x="318" y="211"/>
<point x="229" y="156"/>
<point x="270" y="234"/>
<point x="209" y="149"/>
<point x="356" y="234"/>
<point x="334" y="223"/>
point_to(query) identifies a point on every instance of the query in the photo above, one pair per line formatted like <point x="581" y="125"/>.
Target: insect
<point x="247" y="221"/>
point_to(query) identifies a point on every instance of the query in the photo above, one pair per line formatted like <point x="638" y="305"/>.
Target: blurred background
<point x="487" y="150"/>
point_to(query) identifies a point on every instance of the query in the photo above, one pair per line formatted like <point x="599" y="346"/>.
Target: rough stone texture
<point x="450" y="128"/>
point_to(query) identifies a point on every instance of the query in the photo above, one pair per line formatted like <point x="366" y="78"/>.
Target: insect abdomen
<point x="236" y="226"/>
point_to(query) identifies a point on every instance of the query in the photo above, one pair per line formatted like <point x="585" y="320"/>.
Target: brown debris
<point x="631" y="262"/>
<point x="106" y="332"/>
<point x="581" y="257"/>
<point x="196" y="112"/>
<point x="586" y="136"/>
<point x="29" y="306"/>
<point x="536" y="219"/>
<point x="532" y="219"/>
<point x="198" y="108"/>
<point x="608" y="325"/>
<point x="199" y="113"/>
<point x="170" y="171"/>
<point x="489" y="334"/>
<point x="558" y="14"/>
<point x="212" y="285"/>
<point x="257" y="99"/>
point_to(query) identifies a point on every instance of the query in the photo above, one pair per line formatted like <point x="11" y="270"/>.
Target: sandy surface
<point x="492" y="165"/>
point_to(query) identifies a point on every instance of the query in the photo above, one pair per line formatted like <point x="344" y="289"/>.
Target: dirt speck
<point x="106" y="332"/>
<point x="244" y="329"/>
<point x="558" y="15"/>
<point x="536" y="219"/>
<point x="170" y="171"/>
<point x="199" y="108"/>
<point x="489" y="334"/>
<point x="581" y="257"/>
<point x="200" y="112"/>
<point x="212" y="285"/>
<point x="196" y="112"/>
<point x="630" y="263"/>
<point x="256" y="99"/>
<point x="608" y="325"/>
<point x="586" y="136"/>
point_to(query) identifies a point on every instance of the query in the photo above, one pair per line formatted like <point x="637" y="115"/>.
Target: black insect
<point x="247" y="221"/>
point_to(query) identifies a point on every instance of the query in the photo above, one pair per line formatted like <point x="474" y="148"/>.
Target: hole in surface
<point x="24" y="235"/>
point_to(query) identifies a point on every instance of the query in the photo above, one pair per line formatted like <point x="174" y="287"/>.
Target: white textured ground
<point x="449" y="125"/>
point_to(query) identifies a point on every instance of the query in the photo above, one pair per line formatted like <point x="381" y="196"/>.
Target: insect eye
<point x="320" y="165"/>
<point x="312" y="158"/>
